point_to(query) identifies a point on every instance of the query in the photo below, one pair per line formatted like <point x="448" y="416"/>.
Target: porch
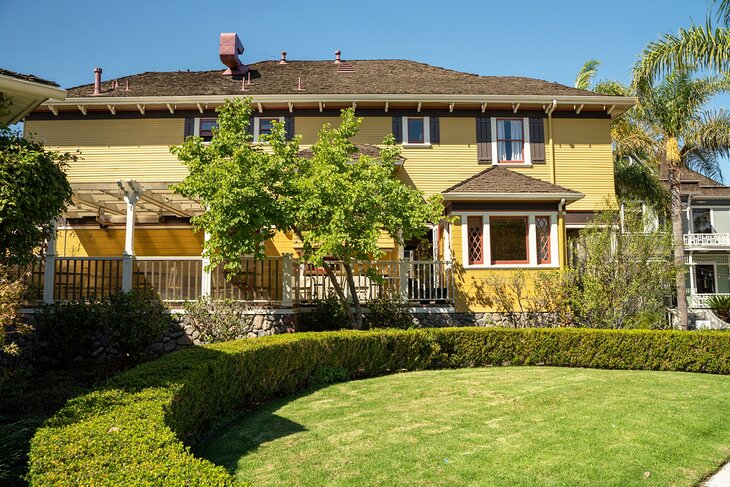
<point x="271" y="282"/>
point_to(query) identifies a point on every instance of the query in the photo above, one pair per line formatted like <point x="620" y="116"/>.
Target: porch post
<point x="403" y="271"/>
<point x="206" y="283"/>
<point x="286" y="281"/>
<point x="49" y="272"/>
<point x="131" y="199"/>
<point x="692" y="278"/>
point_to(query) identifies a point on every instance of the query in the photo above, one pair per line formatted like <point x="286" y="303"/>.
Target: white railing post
<point x="49" y="272"/>
<point x="404" y="267"/>
<point x="206" y="278"/>
<point x="286" y="281"/>
<point x="128" y="255"/>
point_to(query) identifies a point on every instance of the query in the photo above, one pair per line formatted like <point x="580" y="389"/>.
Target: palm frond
<point x="636" y="180"/>
<point x="704" y="162"/>
<point x="608" y="87"/>
<point x="723" y="11"/>
<point x="709" y="133"/>
<point x="586" y="74"/>
<point x="698" y="47"/>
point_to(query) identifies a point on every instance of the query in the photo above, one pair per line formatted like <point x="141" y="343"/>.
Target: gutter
<point x="549" y="112"/>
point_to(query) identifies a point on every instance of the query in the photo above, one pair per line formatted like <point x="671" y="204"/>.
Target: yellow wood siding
<point x="96" y="242"/>
<point x="115" y="149"/>
<point x="585" y="163"/>
<point x="308" y="127"/>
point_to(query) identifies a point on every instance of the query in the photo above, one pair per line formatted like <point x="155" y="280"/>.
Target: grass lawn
<point x="511" y="426"/>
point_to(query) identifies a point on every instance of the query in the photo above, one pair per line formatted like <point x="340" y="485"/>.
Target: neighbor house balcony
<point x="700" y="300"/>
<point x="707" y="240"/>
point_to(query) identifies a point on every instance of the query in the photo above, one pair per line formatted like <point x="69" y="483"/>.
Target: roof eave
<point x="40" y="92"/>
<point x="568" y="197"/>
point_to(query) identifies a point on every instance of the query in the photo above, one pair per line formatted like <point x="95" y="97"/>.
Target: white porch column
<point x="50" y="265"/>
<point x="286" y="281"/>
<point x="692" y="279"/>
<point x="206" y="283"/>
<point x="447" y="242"/>
<point x="131" y="199"/>
<point x="403" y="271"/>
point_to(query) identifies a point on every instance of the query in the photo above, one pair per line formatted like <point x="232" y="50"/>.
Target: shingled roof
<point x="696" y="184"/>
<point x="369" y="150"/>
<point x="27" y="77"/>
<point x="389" y="76"/>
<point x="500" y="180"/>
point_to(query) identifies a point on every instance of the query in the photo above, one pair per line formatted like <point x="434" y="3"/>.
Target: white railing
<point x="700" y="300"/>
<point x="707" y="239"/>
<point x="271" y="281"/>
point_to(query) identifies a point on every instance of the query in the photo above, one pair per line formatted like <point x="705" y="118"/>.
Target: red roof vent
<point x="345" y="67"/>
<point x="230" y="48"/>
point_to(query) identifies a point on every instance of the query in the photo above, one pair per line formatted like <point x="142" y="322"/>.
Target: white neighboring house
<point x="25" y="93"/>
<point x="706" y="228"/>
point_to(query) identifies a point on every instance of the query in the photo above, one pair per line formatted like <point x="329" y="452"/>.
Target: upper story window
<point x="702" y="220"/>
<point x="204" y="128"/>
<point x="510" y="140"/>
<point x="416" y="131"/>
<point x="263" y="126"/>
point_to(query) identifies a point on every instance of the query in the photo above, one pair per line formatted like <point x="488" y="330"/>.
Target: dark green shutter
<point x="435" y="130"/>
<point x="289" y="127"/>
<point x="189" y="127"/>
<point x="484" y="140"/>
<point x="249" y="129"/>
<point x="398" y="129"/>
<point x="537" y="140"/>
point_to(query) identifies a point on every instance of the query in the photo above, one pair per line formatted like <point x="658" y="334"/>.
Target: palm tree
<point x="683" y="133"/>
<point x="586" y="74"/>
<point x="698" y="47"/>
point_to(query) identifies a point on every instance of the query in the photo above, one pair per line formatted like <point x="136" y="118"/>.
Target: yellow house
<point x="521" y="162"/>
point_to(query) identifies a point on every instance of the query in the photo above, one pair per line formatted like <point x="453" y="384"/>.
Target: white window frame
<point x="526" y="155"/>
<point x="426" y="133"/>
<point x="196" y="126"/>
<point x="692" y="218"/>
<point x="256" y="126"/>
<point x="531" y="238"/>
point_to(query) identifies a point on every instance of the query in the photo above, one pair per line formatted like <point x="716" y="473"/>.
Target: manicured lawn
<point x="499" y="426"/>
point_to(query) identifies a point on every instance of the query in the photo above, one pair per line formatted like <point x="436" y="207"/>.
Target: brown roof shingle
<point x="499" y="179"/>
<point x="27" y="77"/>
<point x="695" y="183"/>
<point x="388" y="76"/>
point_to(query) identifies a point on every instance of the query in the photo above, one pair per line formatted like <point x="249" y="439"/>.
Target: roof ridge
<point x="471" y="178"/>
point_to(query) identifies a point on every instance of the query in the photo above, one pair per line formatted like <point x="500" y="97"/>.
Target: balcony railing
<point x="700" y="300"/>
<point x="707" y="240"/>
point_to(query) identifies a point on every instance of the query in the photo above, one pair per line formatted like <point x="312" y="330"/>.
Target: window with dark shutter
<point x="484" y="140"/>
<point x="398" y="129"/>
<point x="189" y="127"/>
<point x="537" y="140"/>
<point x="435" y="130"/>
<point x="289" y="127"/>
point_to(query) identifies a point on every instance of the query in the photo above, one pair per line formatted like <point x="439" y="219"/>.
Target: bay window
<point x="504" y="239"/>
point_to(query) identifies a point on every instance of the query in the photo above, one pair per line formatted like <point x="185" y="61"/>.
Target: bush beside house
<point x="135" y="429"/>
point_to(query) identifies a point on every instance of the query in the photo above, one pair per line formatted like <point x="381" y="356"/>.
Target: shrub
<point x="131" y="321"/>
<point x="388" y="312"/>
<point x="11" y="298"/>
<point x="218" y="320"/>
<point x="134" y="430"/>
<point x="327" y="314"/>
<point x="720" y="305"/>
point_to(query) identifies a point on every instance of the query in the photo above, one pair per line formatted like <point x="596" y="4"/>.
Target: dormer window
<point x="510" y="141"/>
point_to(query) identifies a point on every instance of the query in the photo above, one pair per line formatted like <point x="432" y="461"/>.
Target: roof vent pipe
<point x="230" y="48"/>
<point x="337" y="56"/>
<point x="97" y="81"/>
<point x="283" y="58"/>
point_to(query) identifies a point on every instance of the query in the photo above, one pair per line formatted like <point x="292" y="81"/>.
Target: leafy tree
<point x="33" y="191"/>
<point x="337" y="202"/>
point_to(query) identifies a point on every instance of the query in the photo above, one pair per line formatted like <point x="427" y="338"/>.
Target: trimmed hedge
<point x="134" y="431"/>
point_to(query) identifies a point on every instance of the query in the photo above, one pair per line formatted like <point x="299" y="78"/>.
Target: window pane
<point x="508" y="239"/>
<point x="542" y="226"/>
<point x="475" y="239"/>
<point x="705" y="276"/>
<point x="509" y="140"/>
<point x="206" y="128"/>
<point x="265" y="125"/>
<point x="701" y="222"/>
<point x="415" y="130"/>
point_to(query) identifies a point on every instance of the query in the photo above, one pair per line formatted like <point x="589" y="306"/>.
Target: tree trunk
<point x="341" y="294"/>
<point x="353" y="293"/>
<point x="678" y="238"/>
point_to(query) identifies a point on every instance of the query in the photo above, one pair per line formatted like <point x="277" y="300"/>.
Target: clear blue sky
<point x="63" y="41"/>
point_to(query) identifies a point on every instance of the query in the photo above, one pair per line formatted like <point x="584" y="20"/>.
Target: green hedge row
<point x="138" y="429"/>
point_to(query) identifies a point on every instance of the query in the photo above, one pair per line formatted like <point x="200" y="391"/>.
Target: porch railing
<point x="707" y="239"/>
<point x="701" y="300"/>
<point x="271" y="281"/>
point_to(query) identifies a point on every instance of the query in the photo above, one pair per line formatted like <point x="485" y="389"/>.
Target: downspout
<point x="563" y="241"/>
<point x="550" y="111"/>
